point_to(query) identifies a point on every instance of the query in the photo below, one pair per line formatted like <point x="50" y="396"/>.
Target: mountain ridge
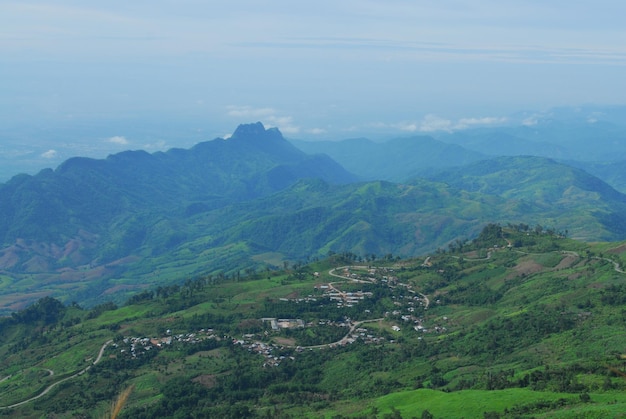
<point x="94" y="229"/>
<point x="127" y="179"/>
<point x="398" y="159"/>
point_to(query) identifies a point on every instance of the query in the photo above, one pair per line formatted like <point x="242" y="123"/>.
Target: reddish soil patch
<point x="9" y="259"/>
<point x="120" y="288"/>
<point x="124" y="260"/>
<point x="285" y="341"/>
<point x="207" y="380"/>
<point x="528" y="267"/>
<point x="566" y="262"/>
<point x="617" y="250"/>
<point x="37" y="264"/>
<point x="72" y="276"/>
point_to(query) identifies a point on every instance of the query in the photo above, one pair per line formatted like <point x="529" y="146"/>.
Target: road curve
<point x="51" y="386"/>
<point x="343" y="339"/>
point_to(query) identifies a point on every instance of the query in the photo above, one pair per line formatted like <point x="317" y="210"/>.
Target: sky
<point x="90" y="78"/>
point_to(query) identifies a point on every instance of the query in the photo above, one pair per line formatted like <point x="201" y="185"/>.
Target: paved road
<point x="357" y="324"/>
<point x="51" y="386"/>
<point x="616" y="266"/>
<point x="344" y="339"/>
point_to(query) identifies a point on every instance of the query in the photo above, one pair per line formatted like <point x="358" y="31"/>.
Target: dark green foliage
<point x="502" y="336"/>
<point x="100" y="308"/>
<point x="473" y="294"/>
<point x="614" y="295"/>
<point x="47" y="310"/>
<point x="180" y="398"/>
<point x="490" y="235"/>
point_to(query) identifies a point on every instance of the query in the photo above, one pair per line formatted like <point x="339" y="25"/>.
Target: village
<point x="408" y="313"/>
<point x="136" y="346"/>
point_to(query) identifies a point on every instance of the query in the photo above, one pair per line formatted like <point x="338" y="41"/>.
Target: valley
<point x="104" y="230"/>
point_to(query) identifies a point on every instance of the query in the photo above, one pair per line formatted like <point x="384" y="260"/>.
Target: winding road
<point x="51" y="386"/>
<point x="344" y="339"/>
<point x="357" y="324"/>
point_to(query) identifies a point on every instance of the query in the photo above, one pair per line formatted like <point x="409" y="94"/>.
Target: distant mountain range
<point x="591" y="138"/>
<point x="394" y="160"/>
<point x="88" y="194"/>
<point x="101" y="229"/>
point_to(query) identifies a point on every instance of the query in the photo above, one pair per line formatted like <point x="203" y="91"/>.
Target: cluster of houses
<point x="275" y="354"/>
<point x="363" y="335"/>
<point x="278" y="324"/>
<point x="343" y="299"/>
<point x="267" y="350"/>
<point x="409" y="304"/>
<point x="137" y="346"/>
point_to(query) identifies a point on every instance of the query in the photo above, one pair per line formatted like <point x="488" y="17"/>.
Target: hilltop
<point x="518" y="322"/>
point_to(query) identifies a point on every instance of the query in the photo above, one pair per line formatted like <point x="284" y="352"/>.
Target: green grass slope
<point x="517" y="323"/>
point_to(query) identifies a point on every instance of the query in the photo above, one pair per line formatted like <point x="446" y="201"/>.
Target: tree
<point x="46" y="309"/>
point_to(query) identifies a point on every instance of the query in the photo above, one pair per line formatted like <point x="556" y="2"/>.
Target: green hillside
<point x="135" y="240"/>
<point x="564" y="194"/>
<point x="611" y="172"/>
<point x="520" y="322"/>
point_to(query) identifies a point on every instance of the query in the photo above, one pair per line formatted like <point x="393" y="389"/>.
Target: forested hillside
<point x="102" y="230"/>
<point x="519" y="322"/>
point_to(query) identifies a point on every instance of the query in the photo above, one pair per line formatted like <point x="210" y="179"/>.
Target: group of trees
<point x="503" y="335"/>
<point x="46" y="310"/>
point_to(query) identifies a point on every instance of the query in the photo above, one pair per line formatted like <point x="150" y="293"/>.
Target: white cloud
<point x="50" y="154"/>
<point x="317" y="131"/>
<point x="472" y="122"/>
<point x="407" y="126"/>
<point x="249" y="112"/>
<point x="158" y="145"/>
<point x="432" y="123"/>
<point x="118" y="140"/>
<point x="530" y="121"/>
<point x="283" y="123"/>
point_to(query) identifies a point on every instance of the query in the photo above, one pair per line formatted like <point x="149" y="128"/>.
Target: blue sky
<point x="322" y="69"/>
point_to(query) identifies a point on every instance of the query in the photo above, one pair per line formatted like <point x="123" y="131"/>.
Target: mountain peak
<point x="254" y="132"/>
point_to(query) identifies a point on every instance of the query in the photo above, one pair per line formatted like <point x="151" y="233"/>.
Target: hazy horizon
<point x="85" y="79"/>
